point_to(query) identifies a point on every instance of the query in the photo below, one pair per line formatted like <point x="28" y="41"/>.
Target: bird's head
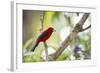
<point x="51" y="29"/>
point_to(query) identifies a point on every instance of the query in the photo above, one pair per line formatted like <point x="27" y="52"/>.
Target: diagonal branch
<point x="68" y="40"/>
<point x="83" y="19"/>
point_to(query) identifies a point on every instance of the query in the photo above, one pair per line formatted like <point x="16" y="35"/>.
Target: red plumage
<point x="43" y="37"/>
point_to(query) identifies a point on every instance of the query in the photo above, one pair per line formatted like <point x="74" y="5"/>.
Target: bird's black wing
<point x="44" y="34"/>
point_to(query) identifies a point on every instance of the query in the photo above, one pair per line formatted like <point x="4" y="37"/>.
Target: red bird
<point x="43" y="37"/>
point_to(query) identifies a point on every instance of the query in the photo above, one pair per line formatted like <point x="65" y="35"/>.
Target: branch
<point x="86" y="28"/>
<point x="46" y="51"/>
<point x="68" y="40"/>
<point x="83" y="19"/>
<point x="41" y="30"/>
<point x="41" y="21"/>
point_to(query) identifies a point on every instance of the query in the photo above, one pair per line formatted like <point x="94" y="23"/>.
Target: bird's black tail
<point x="34" y="47"/>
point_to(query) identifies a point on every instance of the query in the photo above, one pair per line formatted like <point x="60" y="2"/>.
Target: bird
<point x="43" y="37"/>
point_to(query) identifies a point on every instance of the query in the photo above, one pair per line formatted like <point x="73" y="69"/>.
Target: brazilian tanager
<point x="45" y="35"/>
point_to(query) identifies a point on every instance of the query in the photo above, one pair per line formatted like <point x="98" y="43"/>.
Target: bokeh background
<point x="63" y="23"/>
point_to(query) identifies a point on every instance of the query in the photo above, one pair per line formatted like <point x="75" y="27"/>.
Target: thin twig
<point x="85" y="28"/>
